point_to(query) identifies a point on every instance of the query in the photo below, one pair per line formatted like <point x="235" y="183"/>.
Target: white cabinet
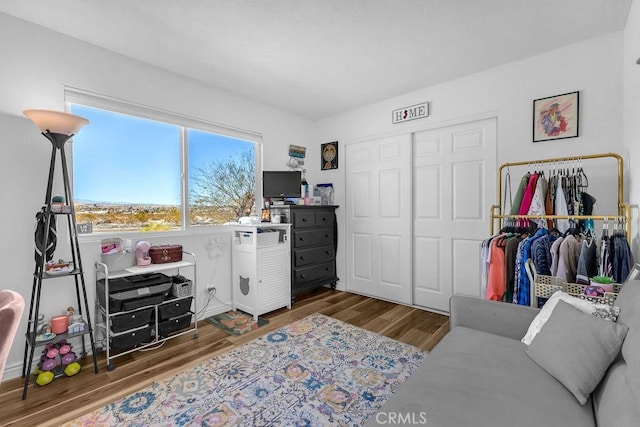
<point x="261" y="268"/>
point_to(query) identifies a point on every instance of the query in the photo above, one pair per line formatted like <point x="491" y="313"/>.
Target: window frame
<point x="184" y="122"/>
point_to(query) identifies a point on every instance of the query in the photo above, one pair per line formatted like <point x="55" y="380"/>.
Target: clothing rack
<point x="624" y="209"/>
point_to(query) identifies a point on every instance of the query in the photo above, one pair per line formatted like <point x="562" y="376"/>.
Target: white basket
<point x="266" y="238"/>
<point x="183" y="289"/>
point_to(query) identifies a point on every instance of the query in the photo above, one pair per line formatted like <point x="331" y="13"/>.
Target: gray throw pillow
<point x="576" y="348"/>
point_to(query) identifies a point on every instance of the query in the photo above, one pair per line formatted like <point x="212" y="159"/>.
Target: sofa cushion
<point x="629" y="303"/>
<point x="598" y="310"/>
<point x="473" y="378"/>
<point x="576" y="348"/>
<point x="614" y="404"/>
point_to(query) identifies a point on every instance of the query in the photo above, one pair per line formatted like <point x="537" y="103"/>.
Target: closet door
<point x="378" y="226"/>
<point x="454" y="173"/>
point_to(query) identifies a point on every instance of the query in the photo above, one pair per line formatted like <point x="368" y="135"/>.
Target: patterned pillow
<point x="602" y="311"/>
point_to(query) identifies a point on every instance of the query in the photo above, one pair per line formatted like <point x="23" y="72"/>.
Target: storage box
<point x="182" y="288"/>
<point x="131" y="320"/>
<point x="266" y="237"/>
<point x="131" y="338"/>
<point x="161" y="254"/>
<point x="120" y="261"/>
<point x="174" y="308"/>
<point x="174" y="324"/>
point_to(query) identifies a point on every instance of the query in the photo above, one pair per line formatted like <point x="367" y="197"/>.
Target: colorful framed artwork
<point x="329" y="156"/>
<point x="556" y="117"/>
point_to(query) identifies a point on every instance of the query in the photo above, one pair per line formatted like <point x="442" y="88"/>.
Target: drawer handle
<point x="301" y="258"/>
<point x="302" y="276"/>
<point x="328" y="252"/>
<point x="327" y="269"/>
<point x="304" y="219"/>
<point x="327" y="235"/>
<point x="301" y="239"/>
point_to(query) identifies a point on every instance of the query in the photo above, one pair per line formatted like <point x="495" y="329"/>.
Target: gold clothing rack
<point x="624" y="210"/>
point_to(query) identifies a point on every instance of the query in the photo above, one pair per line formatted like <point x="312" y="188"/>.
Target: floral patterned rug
<point x="316" y="371"/>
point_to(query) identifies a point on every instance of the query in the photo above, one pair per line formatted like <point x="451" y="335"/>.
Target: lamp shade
<point x="56" y="121"/>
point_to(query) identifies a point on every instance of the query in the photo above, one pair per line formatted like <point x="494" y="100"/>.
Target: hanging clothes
<point x="621" y="257"/>
<point x="588" y="261"/>
<point x="541" y="253"/>
<point x="561" y="208"/>
<point x="510" y="253"/>
<point x="555" y="255"/>
<point x="537" y="206"/>
<point x="569" y="256"/>
<point x="517" y="201"/>
<point x="527" y="198"/>
<point x="521" y="292"/>
<point x="496" y="275"/>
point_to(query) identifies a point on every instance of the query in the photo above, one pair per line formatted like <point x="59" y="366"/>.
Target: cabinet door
<point x="274" y="280"/>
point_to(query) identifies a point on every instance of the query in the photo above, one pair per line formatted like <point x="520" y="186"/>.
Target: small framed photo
<point x="329" y="156"/>
<point x="556" y="117"/>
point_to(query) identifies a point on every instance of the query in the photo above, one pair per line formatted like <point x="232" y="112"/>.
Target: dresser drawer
<point x="315" y="273"/>
<point x="313" y="256"/>
<point x="325" y="219"/>
<point x="303" y="219"/>
<point x="317" y="237"/>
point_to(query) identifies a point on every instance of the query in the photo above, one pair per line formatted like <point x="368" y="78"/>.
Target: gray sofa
<point x="481" y="375"/>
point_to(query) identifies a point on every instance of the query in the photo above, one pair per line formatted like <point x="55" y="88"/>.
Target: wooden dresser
<point x="314" y="239"/>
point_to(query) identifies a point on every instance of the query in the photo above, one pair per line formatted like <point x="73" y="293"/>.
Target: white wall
<point x="593" y="67"/>
<point x="631" y="103"/>
<point x="36" y="66"/>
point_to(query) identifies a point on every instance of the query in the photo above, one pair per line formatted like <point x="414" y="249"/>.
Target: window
<point x="128" y="168"/>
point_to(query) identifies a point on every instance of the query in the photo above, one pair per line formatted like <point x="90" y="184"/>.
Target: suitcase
<point x="161" y="254"/>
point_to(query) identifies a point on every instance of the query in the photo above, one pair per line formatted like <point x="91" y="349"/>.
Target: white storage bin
<point x="119" y="261"/>
<point x="266" y="238"/>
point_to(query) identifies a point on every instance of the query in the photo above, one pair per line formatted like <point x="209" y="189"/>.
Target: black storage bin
<point x="131" y="319"/>
<point x="131" y="338"/>
<point x="142" y="302"/>
<point x="133" y="288"/>
<point x="174" y="324"/>
<point x="174" y="308"/>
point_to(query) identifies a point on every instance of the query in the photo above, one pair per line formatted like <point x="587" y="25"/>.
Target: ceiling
<point x="317" y="58"/>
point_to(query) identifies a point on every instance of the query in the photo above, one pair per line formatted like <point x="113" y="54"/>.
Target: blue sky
<point x="124" y="159"/>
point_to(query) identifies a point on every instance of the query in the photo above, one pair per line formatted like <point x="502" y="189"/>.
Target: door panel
<point x="452" y="167"/>
<point x="379" y="218"/>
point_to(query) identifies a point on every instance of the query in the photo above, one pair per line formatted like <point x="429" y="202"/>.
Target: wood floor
<point x="69" y="397"/>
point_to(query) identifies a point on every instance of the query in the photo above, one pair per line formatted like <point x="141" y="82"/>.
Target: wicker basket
<point x="545" y="286"/>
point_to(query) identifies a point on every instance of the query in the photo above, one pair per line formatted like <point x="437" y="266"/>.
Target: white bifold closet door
<point x="417" y="210"/>
<point x="454" y="176"/>
<point x="379" y="218"/>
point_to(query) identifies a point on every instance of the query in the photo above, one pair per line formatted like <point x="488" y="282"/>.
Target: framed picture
<point x="556" y="117"/>
<point x="329" y="156"/>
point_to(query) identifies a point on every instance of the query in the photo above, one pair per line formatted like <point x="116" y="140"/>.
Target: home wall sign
<point x="413" y="112"/>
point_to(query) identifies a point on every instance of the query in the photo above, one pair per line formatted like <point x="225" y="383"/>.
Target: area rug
<point x="236" y="322"/>
<point x="316" y="371"/>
